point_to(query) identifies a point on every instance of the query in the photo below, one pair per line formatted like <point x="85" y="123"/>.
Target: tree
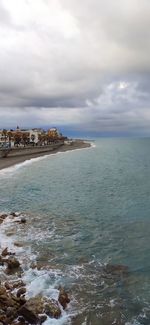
<point x="18" y="138"/>
<point x="25" y="138"/>
<point x="32" y="138"/>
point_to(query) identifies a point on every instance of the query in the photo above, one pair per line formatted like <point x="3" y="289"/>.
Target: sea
<point x="88" y="217"/>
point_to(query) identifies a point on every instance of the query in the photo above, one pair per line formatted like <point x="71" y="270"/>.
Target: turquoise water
<point x="87" y="208"/>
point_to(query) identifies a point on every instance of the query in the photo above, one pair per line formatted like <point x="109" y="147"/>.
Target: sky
<point x="82" y="66"/>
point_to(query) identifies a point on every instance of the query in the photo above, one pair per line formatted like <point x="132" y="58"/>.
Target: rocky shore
<point x="18" y="306"/>
<point x="15" y="306"/>
<point x="17" y="159"/>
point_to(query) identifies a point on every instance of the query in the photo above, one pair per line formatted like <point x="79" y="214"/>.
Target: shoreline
<point x="14" y="160"/>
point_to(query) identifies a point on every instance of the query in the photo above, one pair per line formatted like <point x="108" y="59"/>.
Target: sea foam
<point x="9" y="171"/>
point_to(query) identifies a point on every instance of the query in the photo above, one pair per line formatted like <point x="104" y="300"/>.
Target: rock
<point x="30" y="311"/>
<point x="12" y="263"/>
<point x="10" y="233"/>
<point x="1" y="261"/>
<point x="21" y="291"/>
<point x="52" y="308"/>
<point x="117" y="269"/>
<point x="63" y="298"/>
<point x="2" y="291"/>
<point x="11" y="312"/>
<point x="22" y="300"/>
<point x="8" y="286"/>
<point x="18" y="284"/>
<point x="42" y="318"/>
<point x="5" y="252"/>
<point x="13" y="214"/>
<point x="23" y="220"/>
<point x="37" y="306"/>
<point x="18" y="244"/>
<point x="3" y="216"/>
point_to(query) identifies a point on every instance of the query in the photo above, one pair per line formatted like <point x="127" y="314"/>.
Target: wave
<point x="7" y="172"/>
<point x="42" y="281"/>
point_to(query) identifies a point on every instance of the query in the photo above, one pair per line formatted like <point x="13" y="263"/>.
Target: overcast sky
<point x="76" y="64"/>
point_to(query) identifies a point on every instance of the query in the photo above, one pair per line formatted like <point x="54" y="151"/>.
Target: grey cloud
<point x="62" y="62"/>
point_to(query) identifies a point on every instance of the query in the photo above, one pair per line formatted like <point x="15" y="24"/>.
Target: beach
<point x="14" y="160"/>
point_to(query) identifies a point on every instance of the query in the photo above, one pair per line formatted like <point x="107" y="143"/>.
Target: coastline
<point x="14" y="160"/>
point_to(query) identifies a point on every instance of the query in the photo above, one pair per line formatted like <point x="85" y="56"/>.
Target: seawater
<point x="85" y="209"/>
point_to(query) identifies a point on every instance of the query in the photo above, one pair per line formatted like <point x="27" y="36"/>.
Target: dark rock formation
<point x="63" y="298"/>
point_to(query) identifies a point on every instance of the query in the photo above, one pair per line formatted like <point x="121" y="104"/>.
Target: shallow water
<point x="85" y="209"/>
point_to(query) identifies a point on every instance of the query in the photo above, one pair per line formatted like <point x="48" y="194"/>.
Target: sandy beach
<point x="10" y="161"/>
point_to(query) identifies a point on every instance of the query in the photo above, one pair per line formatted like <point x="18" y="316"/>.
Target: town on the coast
<point x="37" y="141"/>
<point x="27" y="137"/>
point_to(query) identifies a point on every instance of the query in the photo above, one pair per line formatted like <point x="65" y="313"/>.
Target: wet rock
<point x="2" y="291"/>
<point x="13" y="214"/>
<point x="5" y="252"/>
<point x="22" y="300"/>
<point x="117" y="269"/>
<point x="18" y="244"/>
<point x="42" y="319"/>
<point x="8" y="286"/>
<point x="3" y="216"/>
<point x="63" y="298"/>
<point x="21" y="291"/>
<point x="12" y="263"/>
<point x="36" y="306"/>
<point x="30" y="311"/>
<point x="1" y="261"/>
<point x="52" y="309"/>
<point x="11" y="312"/>
<point x="23" y="220"/>
<point x="18" y="284"/>
<point x="10" y="233"/>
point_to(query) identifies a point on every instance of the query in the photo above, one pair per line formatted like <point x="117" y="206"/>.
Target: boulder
<point x="51" y="308"/>
<point x="3" y="216"/>
<point x="18" y="244"/>
<point x="5" y="252"/>
<point x="23" y="220"/>
<point x="37" y="306"/>
<point x="13" y="214"/>
<point x="12" y="263"/>
<point x="21" y="291"/>
<point x="11" y="312"/>
<point x="117" y="269"/>
<point x="8" y="286"/>
<point x="63" y="298"/>
<point x="18" y="284"/>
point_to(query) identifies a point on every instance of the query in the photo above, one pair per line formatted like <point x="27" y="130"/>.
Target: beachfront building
<point x="32" y="135"/>
<point x="53" y="133"/>
<point x="5" y="140"/>
<point x="23" y="137"/>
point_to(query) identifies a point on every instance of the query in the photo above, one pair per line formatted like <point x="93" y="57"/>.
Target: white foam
<point x="45" y="282"/>
<point x="37" y="281"/>
<point x="7" y="172"/>
<point x="64" y="320"/>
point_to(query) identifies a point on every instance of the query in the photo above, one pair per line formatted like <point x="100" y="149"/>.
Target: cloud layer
<point x="83" y="64"/>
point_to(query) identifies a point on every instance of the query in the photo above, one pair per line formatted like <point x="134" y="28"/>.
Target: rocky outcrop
<point x="63" y="298"/>
<point x="116" y="269"/>
<point x="37" y="306"/>
<point x="14" y="307"/>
